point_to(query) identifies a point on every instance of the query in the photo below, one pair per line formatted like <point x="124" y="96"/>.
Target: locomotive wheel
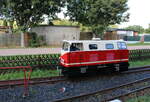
<point x="64" y="71"/>
<point x="70" y="72"/>
<point x="123" y="66"/>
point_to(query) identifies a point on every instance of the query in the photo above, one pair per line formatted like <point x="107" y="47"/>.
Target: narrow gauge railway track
<point x="11" y="83"/>
<point x="137" y="69"/>
<point x="127" y="94"/>
<point x="111" y="93"/>
<point x="82" y="96"/>
<point x="33" y="81"/>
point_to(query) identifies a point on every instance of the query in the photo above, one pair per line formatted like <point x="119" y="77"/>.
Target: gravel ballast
<point x="51" y="92"/>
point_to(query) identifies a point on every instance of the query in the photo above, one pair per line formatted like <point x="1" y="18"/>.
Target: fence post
<point x="139" y="54"/>
<point x="22" y="39"/>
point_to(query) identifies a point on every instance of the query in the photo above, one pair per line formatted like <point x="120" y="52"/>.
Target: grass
<point x="145" y="98"/>
<point x="138" y="44"/>
<point x="139" y="63"/>
<point x="47" y="73"/>
<point x="35" y="74"/>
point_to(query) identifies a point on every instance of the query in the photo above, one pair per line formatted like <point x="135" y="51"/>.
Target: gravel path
<point x="28" y="51"/>
<point x="49" y="93"/>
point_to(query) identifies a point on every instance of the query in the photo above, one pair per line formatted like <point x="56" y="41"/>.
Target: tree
<point x="71" y="23"/>
<point x="98" y="14"/>
<point x="113" y="26"/>
<point x="65" y="22"/>
<point x="137" y="28"/>
<point x="28" y="13"/>
<point x="147" y="30"/>
<point x="1" y="5"/>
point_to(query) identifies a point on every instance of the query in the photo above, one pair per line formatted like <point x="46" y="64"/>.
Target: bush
<point x="36" y="40"/>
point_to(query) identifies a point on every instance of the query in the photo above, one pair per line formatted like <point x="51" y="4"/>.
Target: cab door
<point x="76" y="54"/>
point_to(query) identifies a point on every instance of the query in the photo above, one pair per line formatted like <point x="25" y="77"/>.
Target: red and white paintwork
<point x="88" y="57"/>
<point x="84" y="58"/>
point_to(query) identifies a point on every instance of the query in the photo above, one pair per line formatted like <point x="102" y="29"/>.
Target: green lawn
<point x="35" y="74"/>
<point x="145" y="98"/>
<point x="138" y="44"/>
<point x="47" y="73"/>
<point x="139" y="63"/>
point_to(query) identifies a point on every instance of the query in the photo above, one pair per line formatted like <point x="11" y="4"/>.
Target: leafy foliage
<point x="97" y="14"/>
<point x="147" y="30"/>
<point x="137" y="28"/>
<point x="65" y="22"/>
<point x="35" y="40"/>
<point x="28" y="13"/>
<point x="71" y="23"/>
<point x="2" y="3"/>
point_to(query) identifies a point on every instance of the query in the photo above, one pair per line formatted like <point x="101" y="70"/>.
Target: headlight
<point x="62" y="60"/>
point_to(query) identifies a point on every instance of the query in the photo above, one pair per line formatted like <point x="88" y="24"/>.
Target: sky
<point x="139" y="13"/>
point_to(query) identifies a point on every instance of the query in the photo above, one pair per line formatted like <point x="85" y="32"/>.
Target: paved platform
<point x="28" y="51"/>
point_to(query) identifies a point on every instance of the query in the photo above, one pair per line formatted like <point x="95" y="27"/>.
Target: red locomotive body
<point x="85" y="56"/>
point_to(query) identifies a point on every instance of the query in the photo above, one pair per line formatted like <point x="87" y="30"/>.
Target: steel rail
<point x="136" y="70"/>
<point x="101" y="91"/>
<point x="11" y="83"/>
<point x="146" y="66"/>
<point x="128" y="93"/>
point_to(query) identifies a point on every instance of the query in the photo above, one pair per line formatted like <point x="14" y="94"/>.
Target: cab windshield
<point x="65" y="46"/>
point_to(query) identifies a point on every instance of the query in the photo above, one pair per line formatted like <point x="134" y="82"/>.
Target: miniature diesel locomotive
<point x="82" y="56"/>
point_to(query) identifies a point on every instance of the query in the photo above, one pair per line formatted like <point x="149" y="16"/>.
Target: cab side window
<point x="76" y="47"/>
<point x="93" y="46"/>
<point x="122" y="45"/>
<point x="109" y="46"/>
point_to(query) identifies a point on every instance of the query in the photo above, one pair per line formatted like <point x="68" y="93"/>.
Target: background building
<point x="5" y="29"/>
<point x="55" y="34"/>
<point x="116" y="34"/>
<point x="86" y="35"/>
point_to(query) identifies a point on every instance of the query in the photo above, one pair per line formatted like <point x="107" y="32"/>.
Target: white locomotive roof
<point x="100" y="45"/>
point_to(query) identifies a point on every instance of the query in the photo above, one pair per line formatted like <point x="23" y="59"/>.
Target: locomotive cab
<point x="80" y="56"/>
<point x="65" y="47"/>
<point x="71" y="46"/>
